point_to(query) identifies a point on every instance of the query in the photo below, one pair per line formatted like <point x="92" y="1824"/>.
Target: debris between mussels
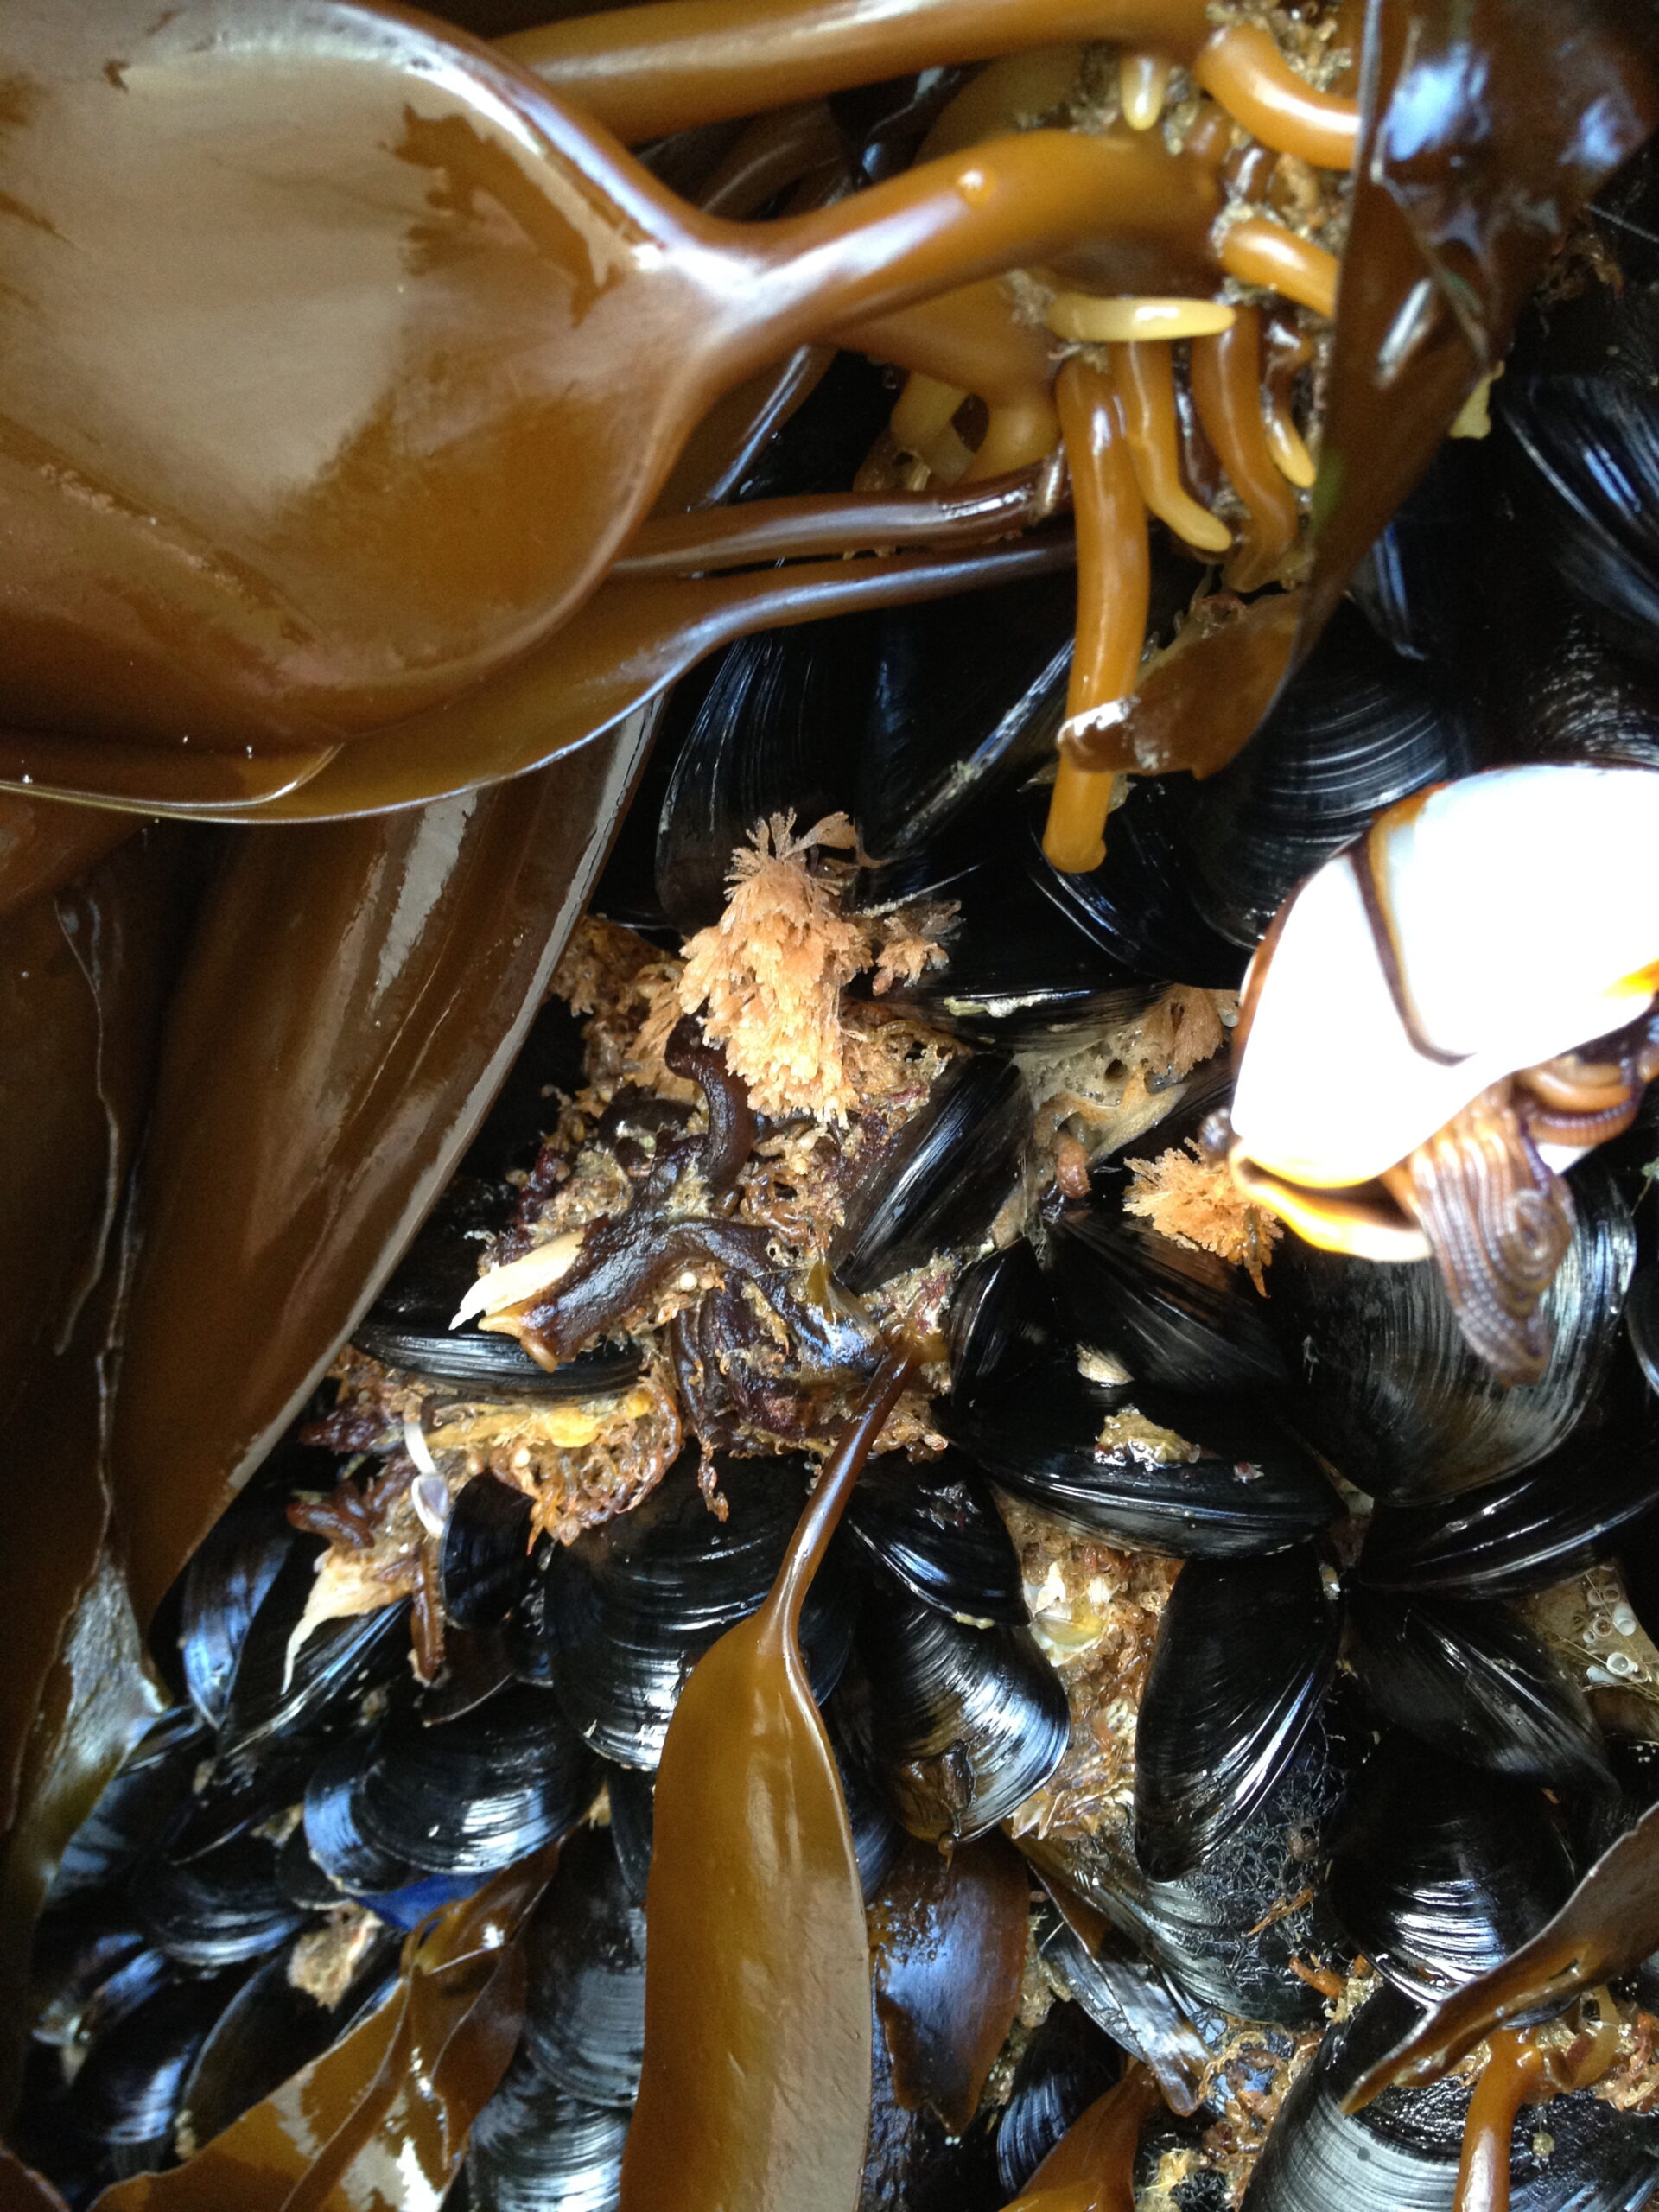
<point x="1469" y="1676"/>
<point x="940" y="1184"/>
<point x="1441" y="1870"/>
<point x="1244" y="1654"/>
<point x="966" y="1722"/>
<point x="1185" y="1476"/>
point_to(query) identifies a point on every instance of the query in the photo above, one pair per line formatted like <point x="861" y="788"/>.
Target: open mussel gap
<point x="1236" y="1644"/>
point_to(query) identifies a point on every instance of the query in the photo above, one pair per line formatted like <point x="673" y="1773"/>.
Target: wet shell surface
<point x="1503" y="958"/>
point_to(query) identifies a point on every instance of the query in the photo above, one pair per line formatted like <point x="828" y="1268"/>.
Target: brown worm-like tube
<point x="1257" y="251"/>
<point x="1144" y="376"/>
<point x="646" y="71"/>
<point x="1227" y="390"/>
<point x="1242" y="68"/>
<point x="1114" y="594"/>
<point x="1286" y="352"/>
<point x="1513" y="2076"/>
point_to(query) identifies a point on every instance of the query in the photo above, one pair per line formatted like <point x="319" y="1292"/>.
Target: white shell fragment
<point x="1525" y="909"/>
<point x="520" y="1279"/>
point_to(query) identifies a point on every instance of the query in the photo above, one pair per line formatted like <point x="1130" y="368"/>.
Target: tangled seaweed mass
<point x="830" y="973"/>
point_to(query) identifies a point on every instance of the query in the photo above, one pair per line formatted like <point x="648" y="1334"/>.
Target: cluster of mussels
<point x="1223" y="1665"/>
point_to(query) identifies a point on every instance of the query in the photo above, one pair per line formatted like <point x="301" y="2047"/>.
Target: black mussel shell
<point x="476" y="1792"/>
<point x="142" y="1802"/>
<point x="1584" y="456"/>
<point x="878" y="1838"/>
<point x="126" y="2096"/>
<point x="1416" y="585"/>
<point x="274" y="1699"/>
<point x="967" y="697"/>
<point x="1401" y="2153"/>
<point x="1138" y="904"/>
<point x="219" y="1910"/>
<point x="224" y="1585"/>
<point x="1530" y="1529"/>
<point x="485" y="1553"/>
<point x="485" y="1364"/>
<point x="630" y="1607"/>
<point x="940" y="1183"/>
<point x="1394" y="1397"/>
<point x="1173" y="1315"/>
<point x="1562" y="692"/>
<point x="585" y="2001"/>
<point x="965" y="1722"/>
<point x="1441" y="1870"/>
<point x="268" y="2031"/>
<point x="1469" y="1676"/>
<point x="332" y="1840"/>
<point x="1017" y="973"/>
<point x="1356" y="729"/>
<point x="1226" y="1935"/>
<point x="772" y="733"/>
<point x="535" y="2149"/>
<point x="1243" y="1661"/>
<point x="1065" y="2066"/>
<point x="90" y="1963"/>
<point x="1185" y="1476"/>
<point x="1121" y="1989"/>
<point x="1641" y="1323"/>
<point x="935" y="1527"/>
<point x="477" y="1662"/>
<point x="1000" y="1318"/>
<point x="633" y="1799"/>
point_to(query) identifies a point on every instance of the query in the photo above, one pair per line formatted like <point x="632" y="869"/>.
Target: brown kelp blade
<point x="756" y="2087"/>
<point x="352" y="1002"/>
<point x="1609" y="1923"/>
<point x="382" y="2119"/>
<point x="1091" y="2168"/>
<point x="1488" y="123"/>
<point x="335" y="518"/>
<point x="42" y="846"/>
<point x="635" y="637"/>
